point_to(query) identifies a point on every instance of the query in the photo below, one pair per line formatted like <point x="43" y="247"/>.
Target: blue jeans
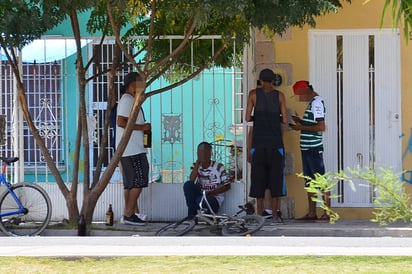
<point x="193" y="195"/>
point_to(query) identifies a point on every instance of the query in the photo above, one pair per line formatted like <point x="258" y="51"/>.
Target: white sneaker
<point x="141" y="216"/>
<point x="121" y="221"/>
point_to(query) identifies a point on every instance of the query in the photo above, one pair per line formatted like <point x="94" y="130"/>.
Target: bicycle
<point x="25" y="209"/>
<point x="231" y="225"/>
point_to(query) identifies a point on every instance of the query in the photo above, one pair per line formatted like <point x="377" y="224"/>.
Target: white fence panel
<point x="161" y="202"/>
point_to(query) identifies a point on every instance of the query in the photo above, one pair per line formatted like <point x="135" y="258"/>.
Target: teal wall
<point x="65" y="29"/>
<point x="204" y="104"/>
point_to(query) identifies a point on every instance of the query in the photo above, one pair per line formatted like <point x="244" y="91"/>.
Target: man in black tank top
<point x="269" y="112"/>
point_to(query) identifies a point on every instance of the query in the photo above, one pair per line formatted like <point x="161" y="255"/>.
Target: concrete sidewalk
<point x="292" y="228"/>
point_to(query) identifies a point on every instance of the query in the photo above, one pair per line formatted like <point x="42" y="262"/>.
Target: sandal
<point x="324" y="218"/>
<point x="307" y="217"/>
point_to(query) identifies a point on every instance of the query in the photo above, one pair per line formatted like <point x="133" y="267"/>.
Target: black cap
<point x="267" y="75"/>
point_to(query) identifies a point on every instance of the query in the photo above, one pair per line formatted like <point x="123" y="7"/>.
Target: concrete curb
<point x="291" y="228"/>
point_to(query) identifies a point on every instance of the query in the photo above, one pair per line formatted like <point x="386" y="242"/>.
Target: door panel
<point x="358" y="74"/>
<point x="355" y="113"/>
<point x="388" y="125"/>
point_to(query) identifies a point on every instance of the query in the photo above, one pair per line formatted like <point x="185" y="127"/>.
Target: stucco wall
<point x="295" y="51"/>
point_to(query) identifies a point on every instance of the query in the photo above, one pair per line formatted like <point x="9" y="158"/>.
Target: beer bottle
<point x="109" y="216"/>
<point x="147" y="138"/>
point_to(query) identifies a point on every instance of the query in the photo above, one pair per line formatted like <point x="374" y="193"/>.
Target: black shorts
<point x="135" y="170"/>
<point x="267" y="172"/>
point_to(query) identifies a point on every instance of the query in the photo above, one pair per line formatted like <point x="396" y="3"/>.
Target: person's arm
<point x="250" y="105"/>
<point x="122" y="122"/>
<point x="249" y="144"/>
<point x="320" y="126"/>
<point x="317" y="109"/>
<point x="221" y="189"/>
<point x="283" y="110"/>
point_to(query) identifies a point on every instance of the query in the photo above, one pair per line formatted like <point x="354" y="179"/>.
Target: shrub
<point x="391" y="203"/>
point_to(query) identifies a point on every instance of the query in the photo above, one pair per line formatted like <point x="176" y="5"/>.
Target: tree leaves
<point x="391" y="201"/>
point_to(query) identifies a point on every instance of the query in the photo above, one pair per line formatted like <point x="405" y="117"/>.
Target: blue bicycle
<point x="25" y="209"/>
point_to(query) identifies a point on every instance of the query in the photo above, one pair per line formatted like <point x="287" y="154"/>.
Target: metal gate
<point x="207" y="108"/>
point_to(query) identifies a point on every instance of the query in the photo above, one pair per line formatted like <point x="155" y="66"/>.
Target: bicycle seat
<point x="9" y="160"/>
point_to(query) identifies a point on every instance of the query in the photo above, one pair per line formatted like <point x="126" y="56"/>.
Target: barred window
<point x="43" y="86"/>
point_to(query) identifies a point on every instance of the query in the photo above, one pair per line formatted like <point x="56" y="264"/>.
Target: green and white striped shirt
<point x="315" y="111"/>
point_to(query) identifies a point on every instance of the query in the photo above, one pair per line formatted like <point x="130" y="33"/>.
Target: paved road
<point x="162" y="246"/>
<point x="346" y="237"/>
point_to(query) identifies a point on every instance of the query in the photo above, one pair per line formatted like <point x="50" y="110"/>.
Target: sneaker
<point x="141" y="216"/>
<point x="193" y="217"/>
<point x="133" y="220"/>
<point x="279" y="215"/>
<point x="266" y="215"/>
<point x="277" y="221"/>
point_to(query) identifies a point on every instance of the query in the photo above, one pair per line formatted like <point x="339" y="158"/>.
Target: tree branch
<point x="190" y="77"/>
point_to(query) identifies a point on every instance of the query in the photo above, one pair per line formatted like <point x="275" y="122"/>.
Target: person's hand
<point x="296" y="126"/>
<point x="147" y="126"/>
<point x="296" y="118"/>
<point x="197" y="164"/>
<point x="193" y="174"/>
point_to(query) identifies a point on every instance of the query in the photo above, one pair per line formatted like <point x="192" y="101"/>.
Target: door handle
<point x="360" y="160"/>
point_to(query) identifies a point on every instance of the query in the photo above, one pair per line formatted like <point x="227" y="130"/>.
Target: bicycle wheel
<point x="38" y="211"/>
<point x="246" y="225"/>
<point x="179" y="228"/>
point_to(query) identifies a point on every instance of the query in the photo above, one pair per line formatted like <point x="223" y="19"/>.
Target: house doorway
<point x="357" y="72"/>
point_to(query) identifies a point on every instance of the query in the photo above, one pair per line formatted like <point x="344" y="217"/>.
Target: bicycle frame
<point x="213" y="218"/>
<point x="230" y="225"/>
<point x="3" y="180"/>
<point x="25" y="209"/>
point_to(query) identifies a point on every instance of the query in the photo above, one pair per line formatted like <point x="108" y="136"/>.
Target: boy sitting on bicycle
<point x="206" y="175"/>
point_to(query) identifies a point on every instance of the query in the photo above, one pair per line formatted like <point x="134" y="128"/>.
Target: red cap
<point x="300" y="87"/>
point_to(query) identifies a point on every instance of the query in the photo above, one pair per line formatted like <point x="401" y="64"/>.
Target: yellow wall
<point x="295" y="52"/>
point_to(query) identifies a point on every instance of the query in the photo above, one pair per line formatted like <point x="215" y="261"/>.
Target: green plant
<point x="391" y="202"/>
<point x="322" y="184"/>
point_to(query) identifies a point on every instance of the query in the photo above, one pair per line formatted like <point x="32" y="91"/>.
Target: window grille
<point x="43" y="86"/>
